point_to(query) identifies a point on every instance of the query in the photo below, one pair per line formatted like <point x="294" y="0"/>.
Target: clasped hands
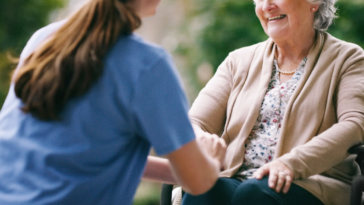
<point x="214" y="146"/>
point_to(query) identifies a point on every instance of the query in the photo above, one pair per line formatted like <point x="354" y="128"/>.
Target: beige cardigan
<point x="324" y="117"/>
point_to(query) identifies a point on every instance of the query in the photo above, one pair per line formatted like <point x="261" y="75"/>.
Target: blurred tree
<point x="350" y="24"/>
<point x="212" y="29"/>
<point x="216" y="27"/>
<point x="19" y="19"/>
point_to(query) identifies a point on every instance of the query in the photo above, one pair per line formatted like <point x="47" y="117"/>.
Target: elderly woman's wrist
<point x="289" y="162"/>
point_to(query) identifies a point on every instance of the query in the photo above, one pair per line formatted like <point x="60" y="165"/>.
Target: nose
<point x="268" y="5"/>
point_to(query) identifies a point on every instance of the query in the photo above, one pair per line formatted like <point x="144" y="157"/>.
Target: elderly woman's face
<point x="282" y="19"/>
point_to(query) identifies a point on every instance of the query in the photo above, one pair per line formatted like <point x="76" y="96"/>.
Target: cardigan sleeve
<point x="208" y="112"/>
<point x="331" y="146"/>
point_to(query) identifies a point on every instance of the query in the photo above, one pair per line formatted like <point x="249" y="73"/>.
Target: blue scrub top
<point x="97" y="152"/>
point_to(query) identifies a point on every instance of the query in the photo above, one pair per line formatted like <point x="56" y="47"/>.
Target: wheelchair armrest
<point x="166" y="195"/>
<point x="356" y="149"/>
<point x="359" y="150"/>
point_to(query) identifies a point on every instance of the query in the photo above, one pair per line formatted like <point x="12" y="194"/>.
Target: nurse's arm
<point x="158" y="170"/>
<point x="197" y="168"/>
<point x="194" y="167"/>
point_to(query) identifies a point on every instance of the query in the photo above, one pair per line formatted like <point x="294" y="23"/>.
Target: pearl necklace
<point x="286" y="72"/>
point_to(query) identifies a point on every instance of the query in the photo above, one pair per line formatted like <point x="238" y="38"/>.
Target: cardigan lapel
<point x="266" y="61"/>
<point x="312" y="58"/>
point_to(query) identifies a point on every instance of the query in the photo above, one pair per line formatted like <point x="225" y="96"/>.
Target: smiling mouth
<point x="277" y="17"/>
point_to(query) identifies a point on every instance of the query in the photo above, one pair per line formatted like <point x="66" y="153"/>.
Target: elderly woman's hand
<point x="280" y="176"/>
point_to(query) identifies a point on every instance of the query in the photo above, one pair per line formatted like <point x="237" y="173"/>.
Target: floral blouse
<point x="261" y="143"/>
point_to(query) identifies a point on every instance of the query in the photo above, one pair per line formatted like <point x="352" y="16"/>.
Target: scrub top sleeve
<point x="160" y="108"/>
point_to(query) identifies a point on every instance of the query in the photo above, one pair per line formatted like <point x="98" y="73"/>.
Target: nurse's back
<point x="87" y="153"/>
<point x="86" y="103"/>
<point x="95" y="151"/>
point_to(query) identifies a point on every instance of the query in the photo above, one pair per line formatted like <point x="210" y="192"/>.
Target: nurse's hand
<point x="213" y="145"/>
<point x="280" y="176"/>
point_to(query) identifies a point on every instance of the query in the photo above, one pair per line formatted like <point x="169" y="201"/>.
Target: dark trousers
<point x="229" y="191"/>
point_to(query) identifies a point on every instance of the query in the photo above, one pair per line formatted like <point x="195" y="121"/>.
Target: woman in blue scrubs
<point x="87" y="101"/>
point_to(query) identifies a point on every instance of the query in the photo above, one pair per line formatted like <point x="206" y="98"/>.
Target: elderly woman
<point x="288" y="108"/>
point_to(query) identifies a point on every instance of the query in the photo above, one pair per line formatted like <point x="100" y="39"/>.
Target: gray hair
<point x="325" y="14"/>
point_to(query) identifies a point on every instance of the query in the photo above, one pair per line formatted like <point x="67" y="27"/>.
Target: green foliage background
<point x="211" y="29"/>
<point x="225" y="25"/>
<point x="19" y="19"/>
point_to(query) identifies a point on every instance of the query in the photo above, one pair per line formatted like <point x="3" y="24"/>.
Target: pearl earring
<point x="313" y="9"/>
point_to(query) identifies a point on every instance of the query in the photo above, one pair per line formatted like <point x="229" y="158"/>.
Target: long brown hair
<point x="66" y="65"/>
